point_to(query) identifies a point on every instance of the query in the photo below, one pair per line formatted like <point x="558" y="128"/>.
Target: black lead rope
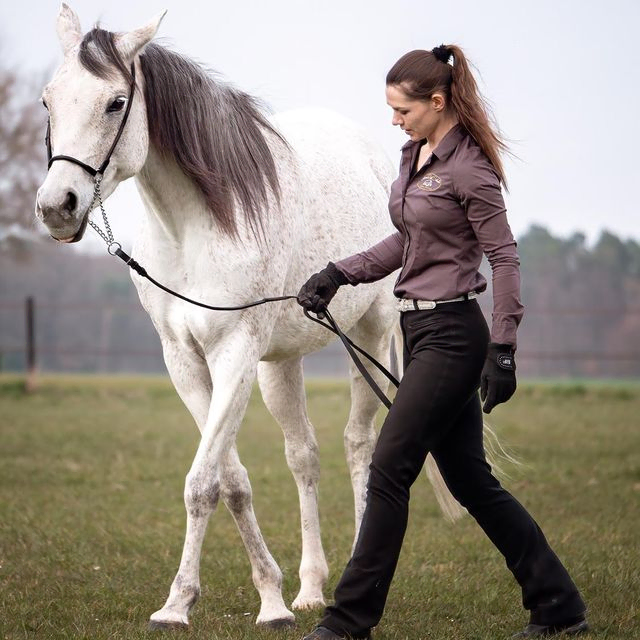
<point x="331" y="324"/>
<point x="140" y="270"/>
<point x="350" y="346"/>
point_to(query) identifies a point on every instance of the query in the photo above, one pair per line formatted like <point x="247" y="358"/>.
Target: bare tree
<point x="22" y="157"/>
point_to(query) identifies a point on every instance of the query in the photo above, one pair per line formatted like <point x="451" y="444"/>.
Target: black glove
<point x="316" y="293"/>
<point x="498" y="379"/>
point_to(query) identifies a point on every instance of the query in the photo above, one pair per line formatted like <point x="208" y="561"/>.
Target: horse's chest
<point x="178" y="322"/>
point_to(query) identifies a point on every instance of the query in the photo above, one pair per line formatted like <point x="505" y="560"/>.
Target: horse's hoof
<point x="280" y="623"/>
<point x="156" y="625"/>
<point x="307" y="604"/>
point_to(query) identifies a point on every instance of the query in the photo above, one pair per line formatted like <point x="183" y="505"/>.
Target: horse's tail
<point x="451" y="508"/>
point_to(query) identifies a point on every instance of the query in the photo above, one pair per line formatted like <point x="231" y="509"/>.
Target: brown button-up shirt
<point x="447" y="214"/>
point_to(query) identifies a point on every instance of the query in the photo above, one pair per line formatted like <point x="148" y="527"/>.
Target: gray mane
<point x="215" y="132"/>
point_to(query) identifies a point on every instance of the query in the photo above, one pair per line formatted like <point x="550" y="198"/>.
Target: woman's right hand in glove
<point x="319" y="289"/>
<point x="498" y="379"/>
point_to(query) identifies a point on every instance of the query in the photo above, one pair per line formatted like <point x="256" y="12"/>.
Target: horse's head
<point x="87" y="101"/>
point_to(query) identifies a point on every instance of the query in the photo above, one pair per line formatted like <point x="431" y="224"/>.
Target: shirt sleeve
<point x="376" y="262"/>
<point x="481" y="197"/>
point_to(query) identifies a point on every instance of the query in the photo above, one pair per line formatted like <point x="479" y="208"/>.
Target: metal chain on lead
<point x="108" y="236"/>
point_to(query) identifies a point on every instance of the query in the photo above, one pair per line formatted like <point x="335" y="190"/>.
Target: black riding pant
<point x="437" y="410"/>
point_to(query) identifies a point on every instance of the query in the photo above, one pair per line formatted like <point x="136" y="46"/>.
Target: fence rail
<point x="117" y="336"/>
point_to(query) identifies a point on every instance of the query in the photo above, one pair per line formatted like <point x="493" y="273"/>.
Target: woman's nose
<point x="395" y="119"/>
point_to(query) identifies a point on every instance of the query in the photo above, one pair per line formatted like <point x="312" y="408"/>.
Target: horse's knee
<point x="303" y="458"/>
<point x="201" y="494"/>
<point x="236" y="490"/>
<point x="359" y="440"/>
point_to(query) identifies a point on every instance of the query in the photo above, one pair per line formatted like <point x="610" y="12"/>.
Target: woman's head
<point x="429" y="86"/>
<point x="420" y="118"/>
<point x="422" y="73"/>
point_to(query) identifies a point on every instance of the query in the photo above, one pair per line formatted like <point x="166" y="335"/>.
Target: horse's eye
<point x="117" y="104"/>
<point x="44" y="104"/>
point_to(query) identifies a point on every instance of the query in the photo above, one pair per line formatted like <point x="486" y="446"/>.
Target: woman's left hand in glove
<point x="498" y="379"/>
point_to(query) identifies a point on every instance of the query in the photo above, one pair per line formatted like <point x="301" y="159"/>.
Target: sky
<point x="562" y="77"/>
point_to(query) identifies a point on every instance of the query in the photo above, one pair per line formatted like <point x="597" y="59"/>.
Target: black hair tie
<point x="442" y="53"/>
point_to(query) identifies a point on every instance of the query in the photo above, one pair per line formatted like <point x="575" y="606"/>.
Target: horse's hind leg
<point x="235" y="490"/>
<point x="373" y="334"/>
<point x="282" y="387"/>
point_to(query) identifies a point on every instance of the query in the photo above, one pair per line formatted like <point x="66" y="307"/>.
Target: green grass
<point x="92" y="520"/>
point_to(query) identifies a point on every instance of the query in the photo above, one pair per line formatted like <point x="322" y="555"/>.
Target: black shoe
<point x="572" y="628"/>
<point x="322" y="633"/>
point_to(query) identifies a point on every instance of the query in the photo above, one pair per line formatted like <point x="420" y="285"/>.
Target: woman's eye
<point x="117" y="104"/>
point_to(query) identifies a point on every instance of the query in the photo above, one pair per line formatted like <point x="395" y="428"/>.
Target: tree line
<point x="582" y="309"/>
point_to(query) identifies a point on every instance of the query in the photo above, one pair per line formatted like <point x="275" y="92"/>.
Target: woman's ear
<point x="438" y="102"/>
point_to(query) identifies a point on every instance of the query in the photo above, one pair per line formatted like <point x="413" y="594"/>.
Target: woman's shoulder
<point x="471" y="166"/>
<point x="468" y="151"/>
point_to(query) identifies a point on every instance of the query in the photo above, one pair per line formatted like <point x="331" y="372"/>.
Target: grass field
<point x="92" y="520"/>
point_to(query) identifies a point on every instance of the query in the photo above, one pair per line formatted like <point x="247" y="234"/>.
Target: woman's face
<point x="417" y="118"/>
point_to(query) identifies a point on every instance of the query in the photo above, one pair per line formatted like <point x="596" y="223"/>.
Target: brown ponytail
<point x="422" y="73"/>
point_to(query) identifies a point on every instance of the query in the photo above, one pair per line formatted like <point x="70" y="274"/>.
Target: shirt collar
<point x="447" y="144"/>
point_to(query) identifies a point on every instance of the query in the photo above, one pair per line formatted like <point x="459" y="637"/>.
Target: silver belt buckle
<point x="424" y="304"/>
<point x="405" y="304"/>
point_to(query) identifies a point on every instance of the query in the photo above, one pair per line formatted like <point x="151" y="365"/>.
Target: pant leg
<point x="443" y="363"/>
<point x="547" y="590"/>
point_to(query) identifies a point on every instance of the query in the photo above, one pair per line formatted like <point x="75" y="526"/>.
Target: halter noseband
<point x="102" y="168"/>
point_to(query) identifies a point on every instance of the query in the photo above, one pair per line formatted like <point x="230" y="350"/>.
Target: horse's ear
<point x="128" y="44"/>
<point x="68" y="28"/>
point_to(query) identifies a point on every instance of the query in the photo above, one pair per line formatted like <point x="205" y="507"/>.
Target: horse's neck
<point x="180" y="234"/>
<point x="173" y="205"/>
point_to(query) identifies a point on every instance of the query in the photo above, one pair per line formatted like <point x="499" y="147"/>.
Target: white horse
<point x="238" y="207"/>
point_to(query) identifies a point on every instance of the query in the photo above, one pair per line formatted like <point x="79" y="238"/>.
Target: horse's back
<point x="321" y="137"/>
<point x="341" y="196"/>
<point x="344" y="177"/>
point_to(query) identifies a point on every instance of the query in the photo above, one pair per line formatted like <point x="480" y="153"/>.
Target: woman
<point x="448" y="208"/>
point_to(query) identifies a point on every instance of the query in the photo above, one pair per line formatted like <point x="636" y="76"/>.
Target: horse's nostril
<point x="70" y="202"/>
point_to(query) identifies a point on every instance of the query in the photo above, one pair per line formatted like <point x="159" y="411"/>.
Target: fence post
<point x="30" y="383"/>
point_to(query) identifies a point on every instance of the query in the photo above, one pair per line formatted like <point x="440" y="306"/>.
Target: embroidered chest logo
<point x="430" y="182"/>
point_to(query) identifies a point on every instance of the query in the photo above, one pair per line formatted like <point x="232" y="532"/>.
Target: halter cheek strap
<point x="102" y="168"/>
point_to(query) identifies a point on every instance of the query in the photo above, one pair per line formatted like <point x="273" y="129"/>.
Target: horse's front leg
<point x="233" y="370"/>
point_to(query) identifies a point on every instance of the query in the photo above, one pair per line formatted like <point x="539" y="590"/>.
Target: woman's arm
<point x="481" y="197"/>
<point x="375" y="263"/>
